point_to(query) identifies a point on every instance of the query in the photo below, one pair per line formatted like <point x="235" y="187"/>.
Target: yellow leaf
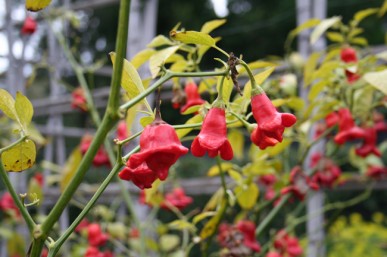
<point x="144" y="121"/>
<point x="335" y="37"/>
<point x="361" y="15"/>
<point x="24" y="110"/>
<point x="192" y="37"/>
<point x="377" y="79"/>
<point x="383" y="9"/>
<point x="211" y="225"/>
<point x="237" y="140"/>
<point x="259" y="79"/>
<point x="70" y="167"/>
<point x="20" y="157"/>
<point x="211" y="25"/>
<point x="214" y="170"/>
<point x="195" y="119"/>
<point x="158" y="41"/>
<point x="7" y="104"/>
<point x="316" y="89"/>
<point x="202" y="216"/>
<point x="322" y="27"/>
<point x="257" y="65"/>
<point x="169" y="242"/>
<point x="36" y="5"/>
<point x="278" y="148"/>
<point x="227" y="88"/>
<point x="16" y="245"/>
<point x="159" y="58"/>
<point x="247" y="195"/>
<point x="359" y="41"/>
<point x="152" y="195"/>
<point x="182" y="225"/>
<point x="306" y="25"/>
<point x="310" y="66"/>
<point x="34" y="189"/>
<point x="141" y="57"/>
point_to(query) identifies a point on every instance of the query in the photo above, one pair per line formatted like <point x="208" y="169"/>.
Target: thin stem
<point x="13" y="144"/>
<point x="245" y="123"/>
<point x="26" y="215"/>
<point x="269" y="218"/>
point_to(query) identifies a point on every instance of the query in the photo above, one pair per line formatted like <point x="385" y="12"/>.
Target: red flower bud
<point x="82" y="225"/>
<point x="369" y="143"/>
<point x="193" y="97"/>
<point x="122" y="130"/>
<point x="29" y="26"/>
<point x="268" y="179"/>
<point x="95" y="235"/>
<point x="213" y="136"/>
<point x="8" y="205"/>
<point x="142" y="176"/>
<point x="348" y="54"/>
<point x="78" y="99"/>
<point x="160" y="149"/>
<point x="271" y="123"/>
<point x="347" y="129"/>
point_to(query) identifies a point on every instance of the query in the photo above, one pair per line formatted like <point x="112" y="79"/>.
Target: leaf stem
<point x="13" y="144"/>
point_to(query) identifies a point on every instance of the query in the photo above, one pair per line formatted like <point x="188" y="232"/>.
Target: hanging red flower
<point x="248" y="230"/>
<point x="122" y="130"/>
<point x="369" y="143"/>
<point x="101" y="158"/>
<point x="29" y="26"/>
<point x="300" y="183"/>
<point x="142" y="176"/>
<point x="8" y="205"/>
<point x="287" y="245"/>
<point x="95" y="235"/>
<point x="176" y="198"/>
<point x="273" y="254"/>
<point x="193" y="97"/>
<point x="271" y="123"/>
<point x="78" y="100"/>
<point x="348" y="55"/>
<point x="213" y="136"/>
<point x="347" y="128"/>
<point x="327" y="172"/>
<point x="160" y="148"/>
<point x="376" y="172"/>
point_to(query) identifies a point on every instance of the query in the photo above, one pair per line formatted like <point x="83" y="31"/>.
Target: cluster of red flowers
<point x="78" y="99"/>
<point x="239" y="239"/>
<point x="176" y="198"/>
<point x="285" y="246"/>
<point x="300" y="183"/>
<point x="348" y="55"/>
<point x="101" y="158"/>
<point x="327" y="172"/>
<point x="96" y="238"/>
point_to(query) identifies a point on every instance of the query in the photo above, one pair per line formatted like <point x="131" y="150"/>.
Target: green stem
<point x="13" y="144"/>
<point x="244" y="122"/>
<point x="269" y="218"/>
<point x="26" y="215"/>
<point x="254" y="85"/>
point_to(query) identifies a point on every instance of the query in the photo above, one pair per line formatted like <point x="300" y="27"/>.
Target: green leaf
<point x="335" y="37"/>
<point x="383" y="9"/>
<point x="141" y="57"/>
<point x="363" y="98"/>
<point x="178" y="253"/>
<point x="36" y="5"/>
<point x="228" y="85"/>
<point x="7" y="104"/>
<point x="158" y="41"/>
<point x="259" y="79"/>
<point x="306" y="25"/>
<point x="211" y="225"/>
<point x="214" y="170"/>
<point x="377" y="79"/>
<point x="322" y="27"/>
<point x="16" y="245"/>
<point x="310" y="66"/>
<point x="70" y="168"/>
<point x="20" y="157"/>
<point x="359" y="41"/>
<point x="192" y="37"/>
<point x="195" y="119"/>
<point x="237" y="140"/>
<point x="247" y="195"/>
<point x="169" y="242"/>
<point x="326" y="69"/>
<point x="316" y="89"/>
<point x="361" y="15"/>
<point x="182" y="225"/>
<point x="201" y="216"/>
<point x="159" y="58"/>
<point x="146" y="120"/>
<point x="278" y="148"/>
<point x="34" y="189"/>
<point x="211" y="25"/>
<point x="24" y="110"/>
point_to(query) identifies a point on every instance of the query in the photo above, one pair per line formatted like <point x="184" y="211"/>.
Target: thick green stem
<point x="26" y="215"/>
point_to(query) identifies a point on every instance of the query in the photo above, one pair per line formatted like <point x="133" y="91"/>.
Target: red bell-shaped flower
<point x="287" y="245"/>
<point x="271" y="123"/>
<point x="193" y="97"/>
<point x="248" y="230"/>
<point x="29" y="26"/>
<point x="142" y="176"/>
<point x="347" y="128"/>
<point x="176" y="198"/>
<point x="78" y="100"/>
<point x="369" y="143"/>
<point x="95" y="235"/>
<point x="160" y="148"/>
<point x="348" y="54"/>
<point x="213" y="136"/>
<point x="122" y="130"/>
<point x="327" y="172"/>
<point x="300" y="183"/>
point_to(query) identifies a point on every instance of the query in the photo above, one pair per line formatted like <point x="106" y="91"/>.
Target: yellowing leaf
<point x="144" y="121"/>
<point x="211" y="25"/>
<point x="377" y="79"/>
<point x="169" y="242"/>
<point x="310" y="66"/>
<point x="306" y="25"/>
<point x="316" y="89"/>
<point x="359" y="41"/>
<point x="20" y="157"/>
<point x="7" y="104"/>
<point x="211" y="225"/>
<point x="34" y="189"/>
<point x="16" y="245"/>
<point x="192" y="37"/>
<point x="383" y="9"/>
<point x="214" y="170"/>
<point x="36" y="5"/>
<point x="259" y="79"/>
<point x="160" y="40"/>
<point x="182" y="225"/>
<point x="195" y="119"/>
<point x="227" y="88"/>
<point x="141" y="57"/>
<point x="322" y="27"/>
<point x="24" y="110"/>
<point x="335" y="37"/>
<point x="202" y="216"/>
<point x="237" y="140"/>
<point x="159" y="58"/>
<point x="360" y="15"/>
<point x="247" y="195"/>
<point x="278" y="148"/>
<point x="70" y="167"/>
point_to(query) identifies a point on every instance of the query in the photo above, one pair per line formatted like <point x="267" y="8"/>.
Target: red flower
<point x="29" y="26"/>
<point x="94" y="252"/>
<point x="84" y="224"/>
<point x="193" y="97"/>
<point x="39" y="178"/>
<point x="101" y="158"/>
<point x="176" y="198"/>
<point x="273" y="254"/>
<point x="95" y="235"/>
<point x="142" y="176"/>
<point x="376" y="172"/>
<point x="270" y="193"/>
<point x="160" y="149"/>
<point x="268" y="179"/>
<point x="299" y="184"/>
<point x="348" y="54"/>
<point x="271" y="123"/>
<point x="369" y="143"/>
<point x="327" y="172"/>
<point x="351" y="76"/>
<point x="213" y="136"/>
<point x="122" y="130"/>
<point x="231" y="237"/>
<point x="332" y="119"/>
<point x="78" y="99"/>
<point x="8" y="205"/>
<point x="287" y="245"/>
<point x="347" y="129"/>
